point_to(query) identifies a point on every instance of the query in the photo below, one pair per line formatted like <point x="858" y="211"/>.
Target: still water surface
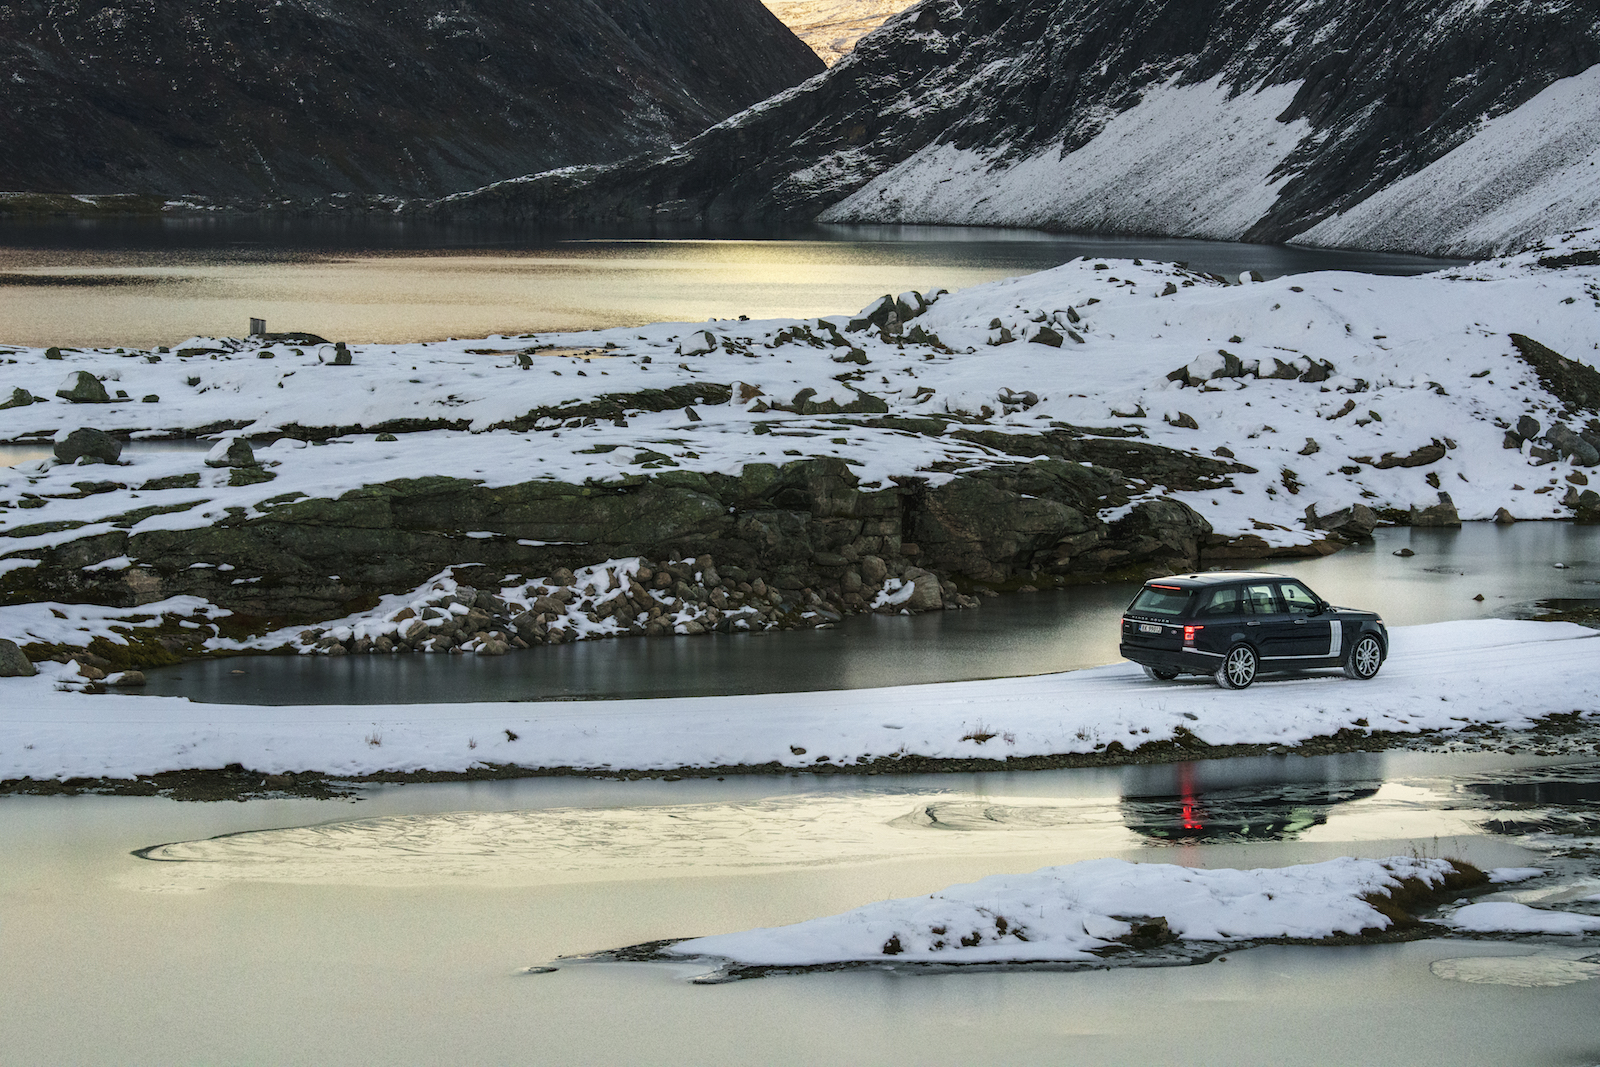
<point x="394" y="931"/>
<point x="1008" y="636"/>
<point x="157" y="283"/>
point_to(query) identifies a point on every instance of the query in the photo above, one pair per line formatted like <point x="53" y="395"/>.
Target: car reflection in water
<point x="1563" y="801"/>
<point x="1185" y="803"/>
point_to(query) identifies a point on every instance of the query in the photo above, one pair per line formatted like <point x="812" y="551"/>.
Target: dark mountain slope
<point x="300" y="97"/>
<point x="1215" y="118"/>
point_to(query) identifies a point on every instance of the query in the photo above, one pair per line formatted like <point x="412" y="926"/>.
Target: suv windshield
<point x="1161" y="600"/>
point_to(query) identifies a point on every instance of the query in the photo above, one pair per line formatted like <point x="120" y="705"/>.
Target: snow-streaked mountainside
<point x="1462" y="128"/>
<point x="308" y="97"/>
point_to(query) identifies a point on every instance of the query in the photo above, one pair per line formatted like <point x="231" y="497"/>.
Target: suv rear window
<point x="1161" y="600"/>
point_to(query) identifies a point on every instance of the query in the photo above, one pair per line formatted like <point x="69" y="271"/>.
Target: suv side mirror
<point x="1322" y="605"/>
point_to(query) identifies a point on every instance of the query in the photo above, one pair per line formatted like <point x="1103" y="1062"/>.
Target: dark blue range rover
<point x="1235" y="625"/>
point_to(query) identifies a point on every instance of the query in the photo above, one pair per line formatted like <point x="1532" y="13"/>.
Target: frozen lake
<point x="393" y="931"/>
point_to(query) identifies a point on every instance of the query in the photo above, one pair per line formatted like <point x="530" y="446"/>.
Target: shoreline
<point x="1556" y="736"/>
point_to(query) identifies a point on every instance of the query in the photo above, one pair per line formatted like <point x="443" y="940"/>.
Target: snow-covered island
<point x="1110" y="912"/>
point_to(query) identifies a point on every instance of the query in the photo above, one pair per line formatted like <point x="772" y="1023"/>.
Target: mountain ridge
<point x="1337" y="102"/>
<point x="301" y="98"/>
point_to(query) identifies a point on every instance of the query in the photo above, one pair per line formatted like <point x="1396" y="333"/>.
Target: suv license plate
<point x="1147" y="628"/>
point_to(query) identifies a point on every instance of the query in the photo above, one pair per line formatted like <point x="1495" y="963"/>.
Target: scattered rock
<point x="1353" y="523"/>
<point x="1404" y="553"/>
<point x="89" y="445"/>
<point x="81" y="387"/>
<point x="233" y="452"/>
<point x="1184" y="421"/>
<point x="698" y="343"/>
<point x="13" y="663"/>
<point x="1528" y="427"/>
<point x="20" y="398"/>
<point x="126" y="679"/>
<point x="1311" y="447"/>
<point x="1502" y="517"/>
<point x="1044" y="335"/>
<point x="341" y="355"/>
<point x="1441" y="514"/>
<point x="1420" y="457"/>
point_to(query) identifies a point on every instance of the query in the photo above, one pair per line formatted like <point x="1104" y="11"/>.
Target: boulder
<point x="20" y="398"/>
<point x="341" y="355"/>
<point x="926" y="594"/>
<point x="909" y="305"/>
<point x="1044" y="335"/>
<point x="1572" y="445"/>
<point x="233" y="452"/>
<point x="126" y="679"/>
<point x="89" y="445"/>
<point x="1355" y="522"/>
<point x="1317" y="372"/>
<point x="873" y="316"/>
<point x="1420" y="457"/>
<point x="81" y="387"/>
<point x="1502" y="517"/>
<point x="1184" y="421"/>
<point x="1441" y="514"/>
<point x="698" y="343"/>
<point x="873" y="570"/>
<point x="1527" y="426"/>
<point x="13" y="663"/>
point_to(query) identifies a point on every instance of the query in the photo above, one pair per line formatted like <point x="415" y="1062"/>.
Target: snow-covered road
<point x="1443" y="676"/>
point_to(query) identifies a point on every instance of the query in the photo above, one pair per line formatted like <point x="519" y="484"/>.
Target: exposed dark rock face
<point x="805" y="525"/>
<point x="237" y="98"/>
<point x="1381" y="89"/>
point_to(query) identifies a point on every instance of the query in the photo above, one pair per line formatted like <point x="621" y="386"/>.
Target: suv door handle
<point x="1299" y="622"/>
<point x="1252" y="624"/>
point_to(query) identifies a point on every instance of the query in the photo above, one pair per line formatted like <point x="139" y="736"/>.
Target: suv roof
<point x="1211" y="578"/>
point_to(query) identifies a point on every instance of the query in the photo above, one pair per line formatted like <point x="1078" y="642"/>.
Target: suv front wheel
<point x="1238" y="668"/>
<point x="1365" y="658"/>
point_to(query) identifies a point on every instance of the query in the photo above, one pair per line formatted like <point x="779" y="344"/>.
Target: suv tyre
<point x="1239" y="667"/>
<point x="1366" y="656"/>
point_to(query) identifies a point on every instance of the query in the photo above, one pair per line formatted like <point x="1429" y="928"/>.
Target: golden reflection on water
<point x="162" y="297"/>
<point x="561" y="845"/>
<point x="549" y="846"/>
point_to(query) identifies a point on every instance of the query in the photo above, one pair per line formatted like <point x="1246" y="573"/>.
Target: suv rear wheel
<point x="1365" y="658"/>
<point x="1238" y="668"/>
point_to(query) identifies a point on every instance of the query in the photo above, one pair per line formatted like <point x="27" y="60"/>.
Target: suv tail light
<point x="1189" y="632"/>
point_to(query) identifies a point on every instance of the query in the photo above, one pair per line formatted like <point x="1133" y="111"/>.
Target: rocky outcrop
<point x="807" y="525"/>
<point x="1575" y="384"/>
<point x="242" y="99"/>
<point x="1006" y="113"/>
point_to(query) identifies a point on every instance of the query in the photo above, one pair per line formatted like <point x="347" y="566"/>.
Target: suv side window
<point x="1297" y="599"/>
<point x="1257" y="600"/>
<point x="1224" y="601"/>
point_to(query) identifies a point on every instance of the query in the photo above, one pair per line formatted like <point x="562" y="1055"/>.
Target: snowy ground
<point x="1411" y="362"/>
<point x="1444" y="676"/>
<point x="1080" y="912"/>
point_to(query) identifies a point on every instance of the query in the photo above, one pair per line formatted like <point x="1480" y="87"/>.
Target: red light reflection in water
<point x="1192" y="812"/>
